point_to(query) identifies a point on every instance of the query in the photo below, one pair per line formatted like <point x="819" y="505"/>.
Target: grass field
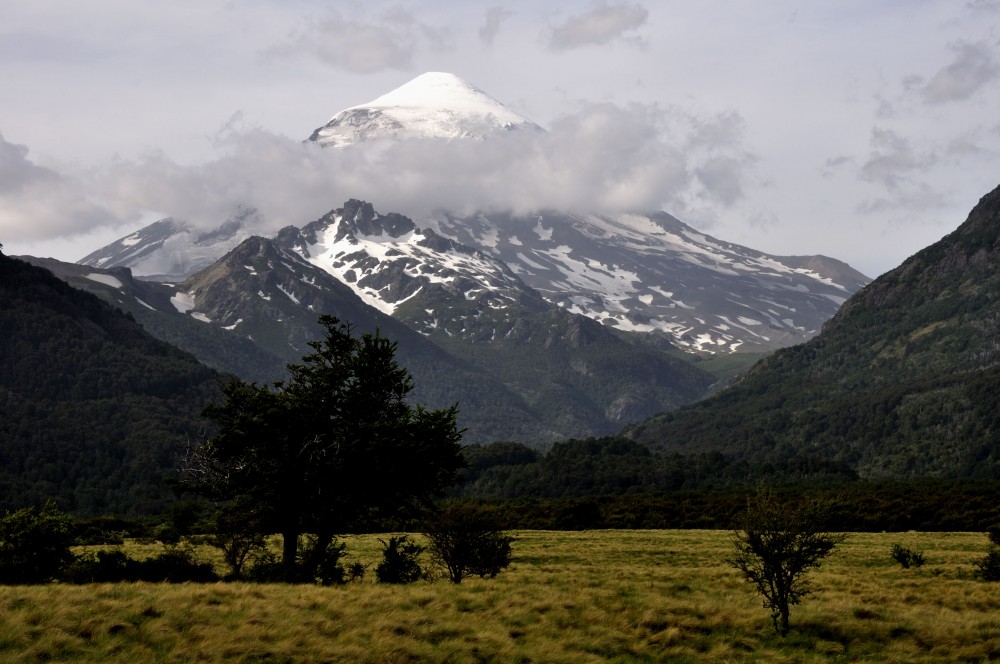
<point x="569" y="597"/>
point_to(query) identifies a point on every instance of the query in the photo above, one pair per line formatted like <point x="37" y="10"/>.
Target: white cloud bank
<point x="604" y="158"/>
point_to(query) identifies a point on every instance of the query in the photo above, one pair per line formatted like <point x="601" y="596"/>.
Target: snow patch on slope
<point x="105" y="279"/>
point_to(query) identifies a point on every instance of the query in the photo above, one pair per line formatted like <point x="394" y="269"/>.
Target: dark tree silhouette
<point x="336" y="444"/>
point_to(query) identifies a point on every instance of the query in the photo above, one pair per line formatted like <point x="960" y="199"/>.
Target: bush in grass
<point x="988" y="567"/>
<point x="103" y="567"/>
<point x="993" y="532"/>
<point x="907" y="557"/>
<point x="34" y="545"/>
<point x="399" y="561"/>
<point x="238" y="534"/>
<point x="173" y="566"/>
<point x="317" y="562"/>
<point x="468" y="540"/>
<point x="176" y="566"/>
<point x="356" y="571"/>
<point x="321" y="561"/>
<point x="267" y="568"/>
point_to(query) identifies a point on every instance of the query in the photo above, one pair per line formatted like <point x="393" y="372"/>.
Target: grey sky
<point x="860" y="129"/>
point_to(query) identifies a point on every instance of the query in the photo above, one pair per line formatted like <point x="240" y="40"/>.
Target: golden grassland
<point x="589" y="596"/>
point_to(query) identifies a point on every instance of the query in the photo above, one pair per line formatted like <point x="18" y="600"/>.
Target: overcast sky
<point x="860" y="129"/>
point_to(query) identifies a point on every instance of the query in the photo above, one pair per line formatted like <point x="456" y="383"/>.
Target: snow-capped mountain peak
<point x="434" y="105"/>
<point x="654" y="273"/>
<point x="387" y="260"/>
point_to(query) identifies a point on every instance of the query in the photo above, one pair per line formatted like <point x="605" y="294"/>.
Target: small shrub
<point x="322" y="563"/>
<point x="993" y="532"/>
<point x="356" y="571"/>
<point x="102" y="567"/>
<point x="468" y="540"/>
<point x="34" y="545"/>
<point x="988" y="567"/>
<point x="175" y="566"/>
<point x="267" y="568"/>
<point x="907" y="557"/>
<point x="166" y="534"/>
<point x="399" y="561"/>
<point x="237" y="534"/>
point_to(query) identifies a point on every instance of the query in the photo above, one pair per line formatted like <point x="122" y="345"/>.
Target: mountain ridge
<point x="900" y="384"/>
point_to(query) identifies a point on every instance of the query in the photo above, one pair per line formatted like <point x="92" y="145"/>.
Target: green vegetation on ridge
<point x="903" y="383"/>
<point x="94" y="412"/>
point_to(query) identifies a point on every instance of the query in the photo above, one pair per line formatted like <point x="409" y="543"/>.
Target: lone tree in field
<point x="336" y="444"/>
<point x="776" y="545"/>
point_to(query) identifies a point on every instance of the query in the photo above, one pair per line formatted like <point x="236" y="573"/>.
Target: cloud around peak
<point x="604" y="158"/>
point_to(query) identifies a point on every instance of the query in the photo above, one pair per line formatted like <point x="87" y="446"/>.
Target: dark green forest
<point x="94" y="410"/>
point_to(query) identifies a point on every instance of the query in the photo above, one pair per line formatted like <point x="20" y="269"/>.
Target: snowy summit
<point x="432" y="105"/>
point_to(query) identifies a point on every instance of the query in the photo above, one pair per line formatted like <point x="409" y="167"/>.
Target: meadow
<point x="589" y="596"/>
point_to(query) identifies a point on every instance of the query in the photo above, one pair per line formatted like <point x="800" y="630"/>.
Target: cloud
<point x="896" y="165"/>
<point x="920" y="197"/>
<point x="604" y="158"/>
<point x="973" y="67"/>
<point x="360" y="46"/>
<point x="37" y="202"/>
<point x="984" y="5"/>
<point x="832" y="164"/>
<point x="893" y="160"/>
<point x="494" y="17"/>
<point x="603" y="24"/>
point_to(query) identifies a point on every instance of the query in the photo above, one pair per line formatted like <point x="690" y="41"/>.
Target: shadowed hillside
<point x="902" y="383"/>
<point x="93" y="411"/>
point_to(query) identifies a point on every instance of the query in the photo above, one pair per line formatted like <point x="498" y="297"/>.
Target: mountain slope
<point x="469" y="329"/>
<point x="428" y="282"/>
<point x="434" y="105"/>
<point x="518" y="367"/>
<point x="154" y="305"/>
<point x="653" y="273"/>
<point x="170" y="249"/>
<point x="903" y="382"/>
<point x="95" y="412"/>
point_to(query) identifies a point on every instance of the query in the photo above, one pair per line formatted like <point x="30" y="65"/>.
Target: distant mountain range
<point x="541" y="326"/>
<point x="519" y="368"/>
<point x="904" y="382"/>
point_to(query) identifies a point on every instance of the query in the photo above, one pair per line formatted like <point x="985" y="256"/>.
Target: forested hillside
<point x="94" y="412"/>
<point x="903" y="383"/>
